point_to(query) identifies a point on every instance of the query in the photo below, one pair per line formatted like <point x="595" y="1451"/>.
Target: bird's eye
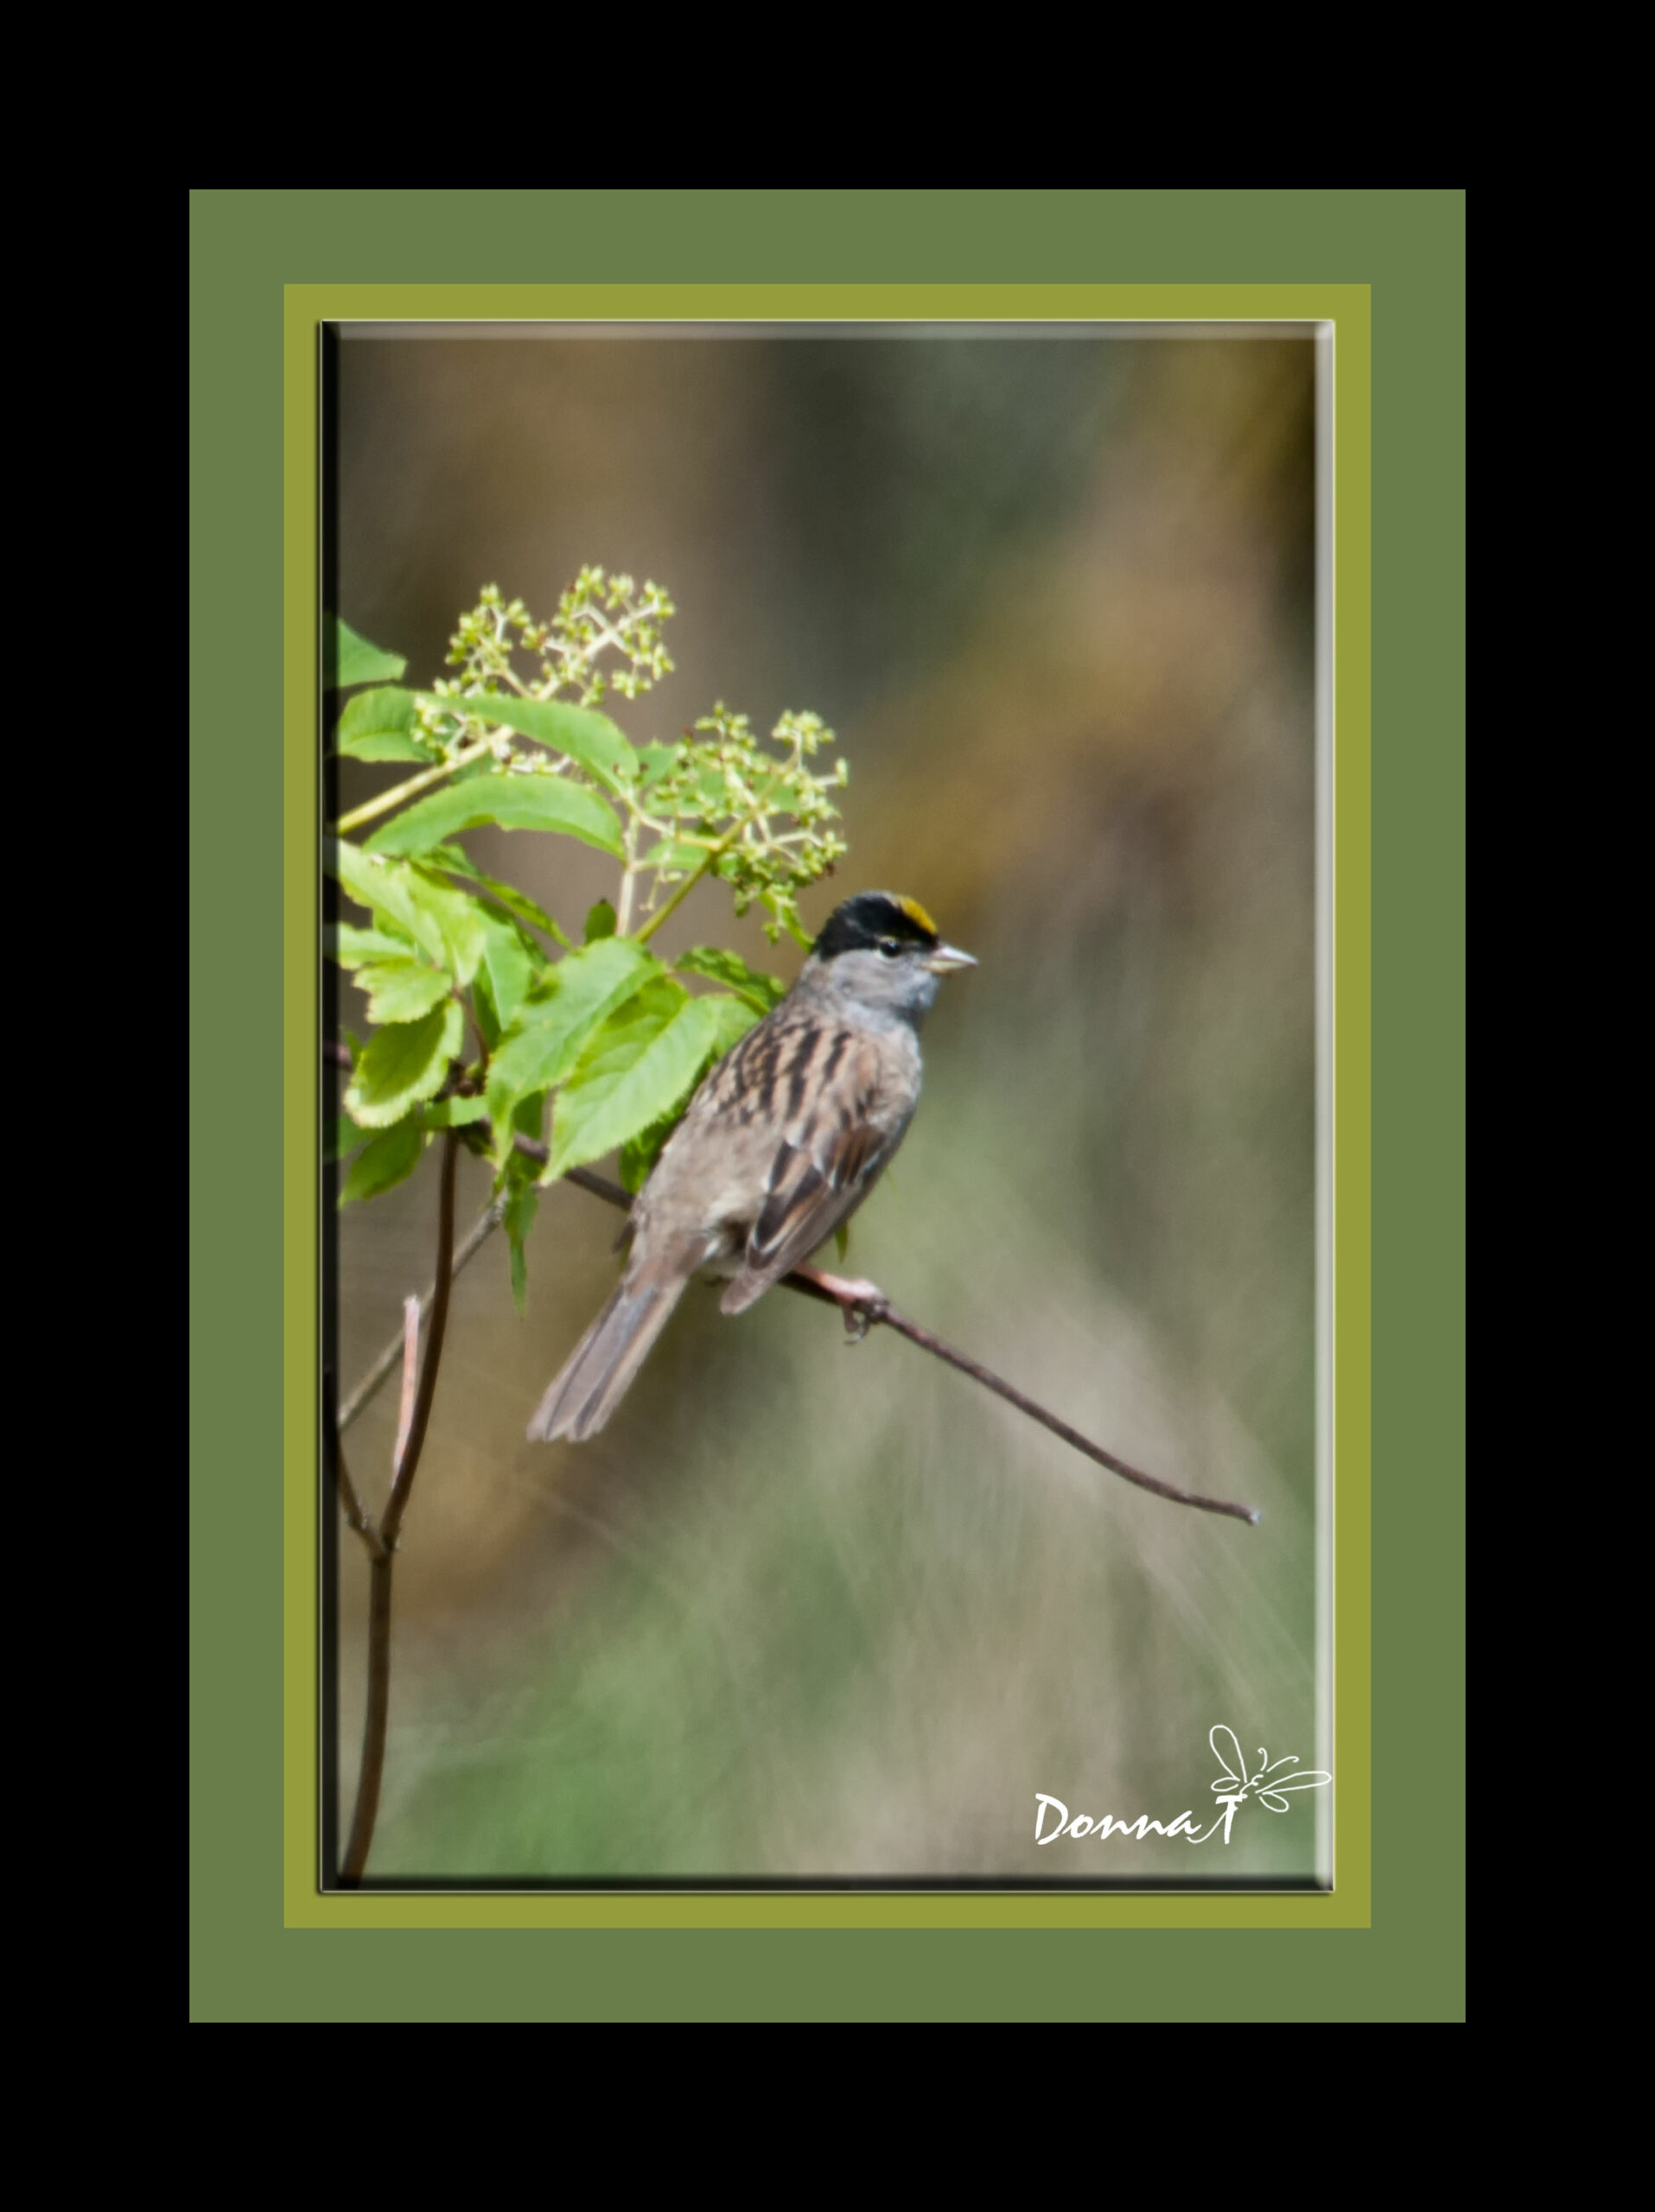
<point x="889" y="947"/>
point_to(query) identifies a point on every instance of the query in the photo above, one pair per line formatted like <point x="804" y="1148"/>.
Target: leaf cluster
<point x="485" y="1015"/>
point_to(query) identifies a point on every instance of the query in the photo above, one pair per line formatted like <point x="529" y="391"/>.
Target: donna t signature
<point x="1270" y="1783"/>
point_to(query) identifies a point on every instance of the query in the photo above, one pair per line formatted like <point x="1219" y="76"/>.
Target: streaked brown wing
<point x="823" y="1168"/>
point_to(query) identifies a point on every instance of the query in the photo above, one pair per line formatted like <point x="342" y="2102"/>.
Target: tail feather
<point x="601" y="1369"/>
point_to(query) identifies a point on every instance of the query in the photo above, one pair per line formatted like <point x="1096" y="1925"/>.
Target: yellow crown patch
<point x="917" y="914"/>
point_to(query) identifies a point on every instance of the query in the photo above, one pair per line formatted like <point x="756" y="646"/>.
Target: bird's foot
<point x="862" y="1302"/>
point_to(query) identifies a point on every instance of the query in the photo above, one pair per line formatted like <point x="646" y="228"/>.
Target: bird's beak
<point x="946" y="958"/>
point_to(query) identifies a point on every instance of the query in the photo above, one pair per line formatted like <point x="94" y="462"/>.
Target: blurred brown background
<point x="807" y="1610"/>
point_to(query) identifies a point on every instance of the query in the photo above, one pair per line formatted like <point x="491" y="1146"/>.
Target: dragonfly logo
<point x="1270" y="1784"/>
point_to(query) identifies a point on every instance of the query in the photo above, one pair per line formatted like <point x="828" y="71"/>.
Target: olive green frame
<point x="260" y="1981"/>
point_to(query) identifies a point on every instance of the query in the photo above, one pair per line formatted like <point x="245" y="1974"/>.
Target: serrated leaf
<point x="600" y="922"/>
<point x="622" y="1086"/>
<point x="401" y="990"/>
<point x="730" y="970"/>
<point x="517" y="903"/>
<point x="549" y="1032"/>
<point x="380" y="725"/>
<point x="402" y="1065"/>
<point x="351" y="947"/>
<point x="387" y="1160"/>
<point x="513" y="802"/>
<point x="511" y="972"/>
<point x="349" y="659"/>
<point x="580" y="732"/>
<point x="444" y="923"/>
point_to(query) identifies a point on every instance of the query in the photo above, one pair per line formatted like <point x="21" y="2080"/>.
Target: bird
<point x="783" y="1140"/>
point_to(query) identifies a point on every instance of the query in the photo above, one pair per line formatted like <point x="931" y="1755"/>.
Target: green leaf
<point x="631" y="1076"/>
<point x="527" y="1115"/>
<point x="672" y="853"/>
<point x="842" y="1239"/>
<point x="732" y="1018"/>
<point x="639" y="1155"/>
<point x="454" y="1113"/>
<point x="402" y="990"/>
<point x="352" y="660"/>
<point x="656" y="759"/>
<point x="516" y="1218"/>
<point x="581" y="733"/>
<point x="402" y="1065"/>
<point x="512" y="974"/>
<point x="730" y="970"/>
<point x="600" y="922"/>
<point x="389" y="1158"/>
<point x="517" y="903"/>
<point x="351" y="947"/>
<point x="379" y="725"/>
<point x="482" y="1005"/>
<point x="513" y="801"/>
<point x="345" y="1138"/>
<point x="387" y="748"/>
<point x="444" y="923"/>
<point x="547" y="1037"/>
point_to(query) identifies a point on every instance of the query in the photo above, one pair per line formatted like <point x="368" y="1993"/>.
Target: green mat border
<point x="265" y="267"/>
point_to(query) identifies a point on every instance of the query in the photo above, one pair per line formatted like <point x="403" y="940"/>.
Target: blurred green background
<point x="809" y="1611"/>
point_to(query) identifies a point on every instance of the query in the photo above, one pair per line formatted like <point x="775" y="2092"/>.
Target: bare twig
<point x="382" y="1542"/>
<point x="411" y="1320"/>
<point x="408" y="1458"/>
<point x="476" y="1236"/>
<point x="368" y="1389"/>
<point x="865" y="1306"/>
<point x="354" y="1516"/>
<point x="373" y="1722"/>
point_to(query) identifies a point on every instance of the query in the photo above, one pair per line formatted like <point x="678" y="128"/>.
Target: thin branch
<point x="864" y="1306"/>
<point x="385" y="1364"/>
<point x="411" y="1320"/>
<point x="408" y="1458"/>
<point x="648" y="928"/>
<point x="354" y="1516"/>
<point x="371" y="809"/>
<point x="410" y="1445"/>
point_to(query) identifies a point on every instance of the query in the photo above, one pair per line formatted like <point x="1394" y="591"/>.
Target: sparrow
<point x="782" y="1142"/>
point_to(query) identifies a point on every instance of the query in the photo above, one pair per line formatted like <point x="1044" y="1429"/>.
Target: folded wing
<point x="824" y="1168"/>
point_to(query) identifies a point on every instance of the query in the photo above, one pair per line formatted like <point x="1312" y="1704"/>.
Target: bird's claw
<point x="861" y="1313"/>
